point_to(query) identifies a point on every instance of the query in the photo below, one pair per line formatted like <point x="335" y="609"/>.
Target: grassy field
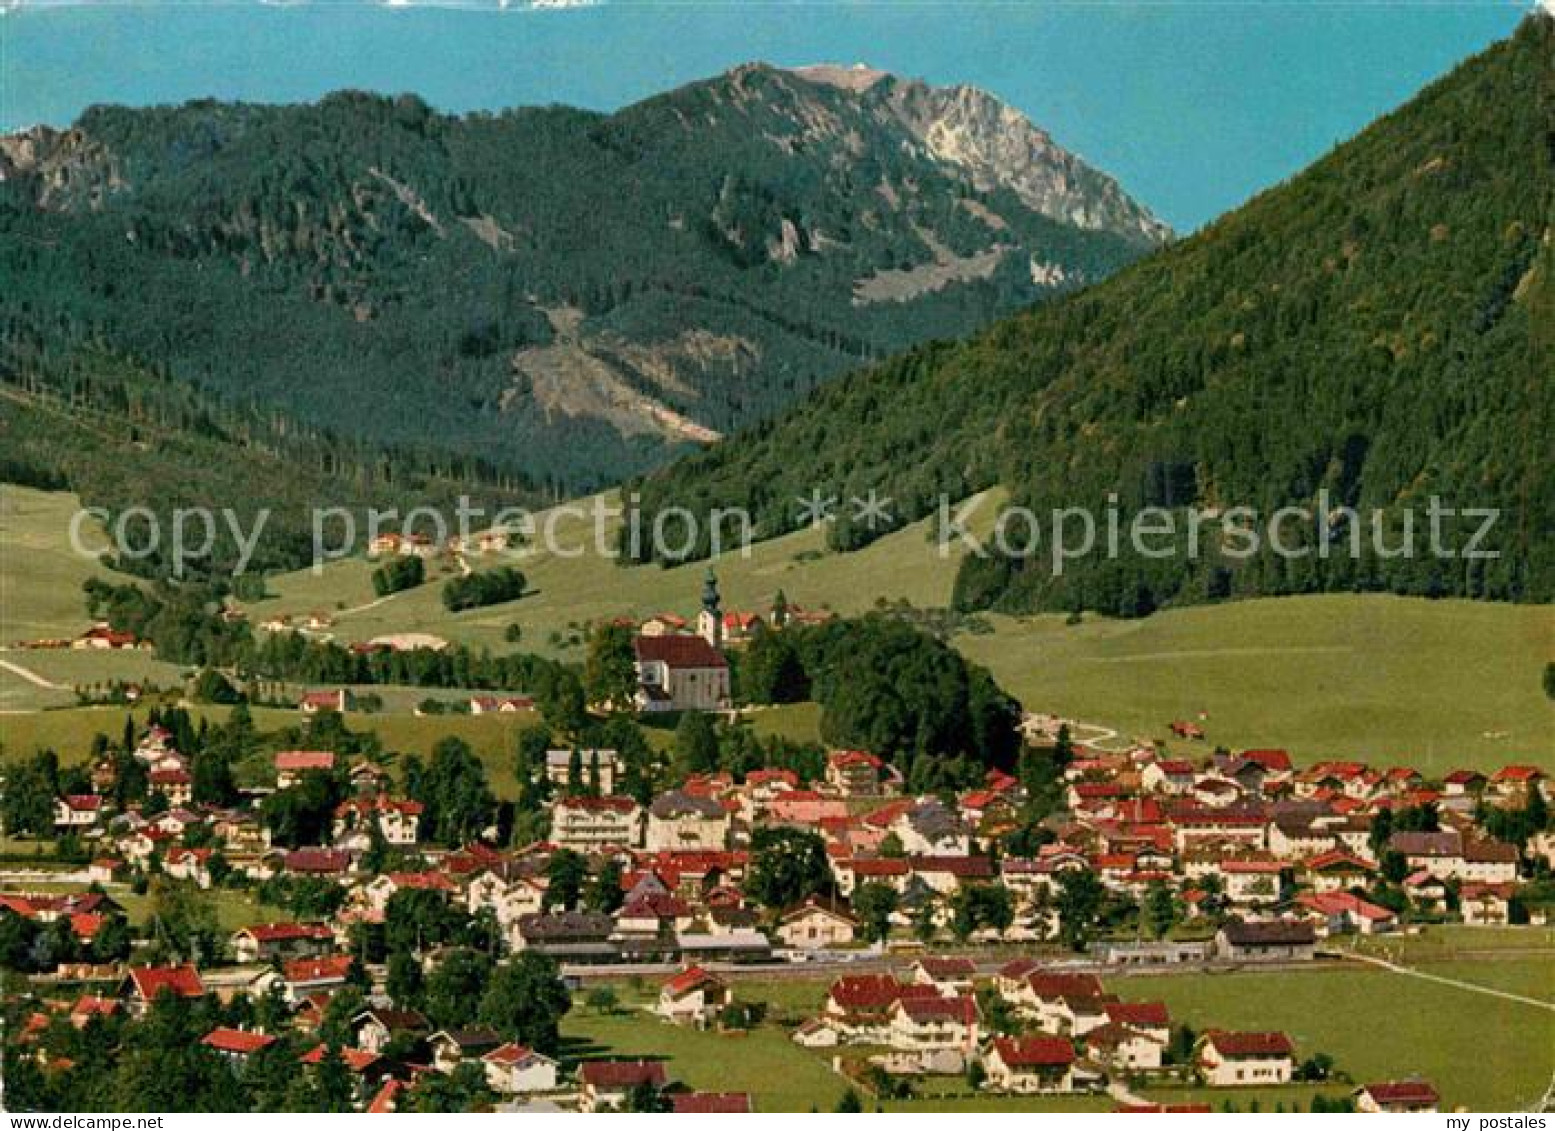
<point x="1483" y="1053"/>
<point x="568" y="591"/>
<point x="40" y="574"/>
<point x="69" y="733"/>
<point x="767" y="1063"/>
<point x="1435" y="684"/>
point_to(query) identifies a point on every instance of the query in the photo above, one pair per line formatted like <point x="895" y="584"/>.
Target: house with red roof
<point x="291" y="765"/>
<point x="264" y="942"/>
<point x="1030" y="1065"/>
<point x="235" y="1046"/>
<point x="175" y="785"/>
<point x="1337" y="870"/>
<point x="854" y="773"/>
<point x="304" y="976"/>
<point x="398" y="821"/>
<point x="77" y="811"/>
<point x="515" y="1070"/>
<point x="324" y="862"/>
<point x="337" y="699"/>
<point x="1123" y="1048"/>
<point x="1148" y="1017"/>
<point x="1486" y="905"/>
<point x="1173" y="776"/>
<point x="144" y="984"/>
<point x="90" y="1006"/>
<point x="1397" y="1097"/>
<point x="925" y="1024"/>
<point x="1242" y="1060"/>
<point x="1462" y="783"/>
<point x="1516" y="781"/>
<point x="605" y="1084"/>
<point x="1340" y="912"/>
<point x="693" y="997"/>
<point x="500" y="704"/>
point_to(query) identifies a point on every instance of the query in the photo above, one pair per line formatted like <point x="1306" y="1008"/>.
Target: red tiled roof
<point x="509" y="1053"/>
<point x="1517" y="774"/>
<point x="933" y="1009"/>
<point x="689" y="979"/>
<point x="948" y="967"/>
<point x="1065" y="985"/>
<point x="678" y="652"/>
<point x="1249" y="1044"/>
<point x="965" y="867"/>
<point x="241" y="1041"/>
<point x="618" y="1075"/>
<point x="1403" y="1091"/>
<point x="317" y="860"/>
<point x="1035" y="1052"/>
<point x="301" y="760"/>
<point x="1138" y="1013"/>
<point x="357" y="1060"/>
<point x="873" y="992"/>
<point x="181" y="981"/>
<point x="328" y="968"/>
<point x="1275" y="761"/>
<point x="287" y="932"/>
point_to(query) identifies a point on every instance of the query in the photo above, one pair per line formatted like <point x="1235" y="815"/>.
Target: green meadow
<point x="1435" y="684"/>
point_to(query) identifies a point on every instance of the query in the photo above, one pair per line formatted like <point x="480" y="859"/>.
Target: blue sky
<point x="1194" y="106"/>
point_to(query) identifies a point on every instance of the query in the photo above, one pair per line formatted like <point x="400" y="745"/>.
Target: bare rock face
<point x="997" y="146"/>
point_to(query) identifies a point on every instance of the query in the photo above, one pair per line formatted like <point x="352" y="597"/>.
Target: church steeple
<point x="710" y="621"/>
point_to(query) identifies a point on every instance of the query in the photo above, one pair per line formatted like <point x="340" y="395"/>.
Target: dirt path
<point x="32" y="677"/>
<point x="1473" y="987"/>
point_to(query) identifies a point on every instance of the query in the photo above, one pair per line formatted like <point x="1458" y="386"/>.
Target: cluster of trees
<point x="395" y="243"/>
<point x="184" y="622"/>
<point x="891" y="688"/>
<point x="398" y="574"/>
<point x="1370" y="329"/>
<point x="488" y="587"/>
<point x="119" y="1063"/>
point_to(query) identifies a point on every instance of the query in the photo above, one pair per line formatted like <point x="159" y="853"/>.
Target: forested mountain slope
<point x="1380" y="327"/>
<point x="558" y="294"/>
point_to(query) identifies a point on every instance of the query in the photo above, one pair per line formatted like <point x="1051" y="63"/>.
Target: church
<point x="685" y="673"/>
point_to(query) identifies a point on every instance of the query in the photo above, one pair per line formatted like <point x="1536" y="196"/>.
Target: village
<point x="939" y="936"/>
